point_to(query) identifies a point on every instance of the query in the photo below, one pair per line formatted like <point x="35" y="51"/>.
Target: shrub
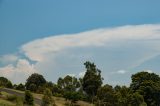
<point x="47" y="98"/>
<point x="29" y="98"/>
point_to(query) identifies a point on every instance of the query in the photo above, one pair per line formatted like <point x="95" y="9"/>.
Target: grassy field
<point x="4" y="102"/>
<point x="58" y="100"/>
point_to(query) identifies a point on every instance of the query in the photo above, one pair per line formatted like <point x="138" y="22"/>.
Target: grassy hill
<point x="58" y="100"/>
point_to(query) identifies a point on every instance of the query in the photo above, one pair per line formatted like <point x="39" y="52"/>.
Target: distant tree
<point x="5" y="82"/>
<point x="148" y="85"/>
<point x="29" y="98"/>
<point x="92" y="80"/>
<point x="34" y="81"/>
<point x="20" y="87"/>
<point x="47" y="99"/>
<point x="106" y="96"/>
<point x="9" y="84"/>
<point x="56" y="90"/>
<point x="68" y="83"/>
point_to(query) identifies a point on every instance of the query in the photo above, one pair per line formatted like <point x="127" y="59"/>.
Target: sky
<point x="55" y="38"/>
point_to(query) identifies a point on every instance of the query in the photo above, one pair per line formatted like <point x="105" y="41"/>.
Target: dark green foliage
<point x="56" y="90"/>
<point x="68" y="83"/>
<point x="5" y="82"/>
<point x="106" y="96"/>
<point x="148" y="85"/>
<point x="123" y="95"/>
<point x="72" y="96"/>
<point x="136" y="99"/>
<point x="20" y="87"/>
<point x="34" y="82"/>
<point x="29" y="100"/>
<point x="47" y="99"/>
<point x="92" y="79"/>
<point x="126" y="97"/>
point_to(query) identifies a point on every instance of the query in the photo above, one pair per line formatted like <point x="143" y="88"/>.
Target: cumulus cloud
<point x="112" y="49"/>
<point x="19" y="72"/>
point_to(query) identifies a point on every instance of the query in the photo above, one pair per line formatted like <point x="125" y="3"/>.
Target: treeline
<point x="144" y="89"/>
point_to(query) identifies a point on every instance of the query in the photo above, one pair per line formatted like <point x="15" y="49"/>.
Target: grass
<point x="6" y="103"/>
<point x="58" y="100"/>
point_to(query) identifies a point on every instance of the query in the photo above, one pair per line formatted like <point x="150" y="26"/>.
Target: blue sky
<point x="107" y="32"/>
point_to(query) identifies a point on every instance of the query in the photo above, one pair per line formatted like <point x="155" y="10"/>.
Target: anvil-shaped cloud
<point x="117" y="51"/>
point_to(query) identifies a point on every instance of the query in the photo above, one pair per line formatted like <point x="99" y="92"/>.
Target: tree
<point x="123" y="93"/>
<point x="29" y="98"/>
<point x="34" y="82"/>
<point x="148" y="85"/>
<point x="68" y="83"/>
<point x="47" y="99"/>
<point x="92" y="80"/>
<point x="106" y="96"/>
<point x="20" y="87"/>
<point x="5" y="82"/>
<point x="73" y="96"/>
<point x="137" y="100"/>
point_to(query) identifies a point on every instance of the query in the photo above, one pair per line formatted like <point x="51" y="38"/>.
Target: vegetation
<point x="47" y="99"/>
<point x="29" y="98"/>
<point x="35" y="82"/>
<point x="144" y="90"/>
<point x="5" y="82"/>
<point x="92" y="80"/>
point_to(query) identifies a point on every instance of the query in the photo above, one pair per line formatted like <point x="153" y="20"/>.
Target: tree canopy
<point x="92" y="79"/>
<point x="34" y="82"/>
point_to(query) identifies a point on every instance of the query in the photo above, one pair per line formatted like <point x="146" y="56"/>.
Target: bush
<point x="29" y="98"/>
<point x="47" y="98"/>
<point x="11" y="97"/>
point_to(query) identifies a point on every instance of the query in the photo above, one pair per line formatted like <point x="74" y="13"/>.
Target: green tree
<point x="68" y="83"/>
<point x="20" y="87"/>
<point x="92" y="80"/>
<point x="5" y="82"/>
<point x="136" y="100"/>
<point x="29" y="98"/>
<point x="73" y="96"/>
<point x="148" y="85"/>
<point x="123" y="93"/>
<point x="34" y="82"/>
<point x="106" y="96"/>
<point x="47" y="99"/>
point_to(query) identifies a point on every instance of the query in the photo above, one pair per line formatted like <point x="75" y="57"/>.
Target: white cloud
<point x="37" y="50"/>
<point x="121" y="71"/>
<point x="8" y="58"/>
<point x="124" y="47"/>
<point x="19" y="72"/>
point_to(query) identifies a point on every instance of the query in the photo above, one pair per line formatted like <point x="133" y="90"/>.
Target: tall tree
<point x="92" y="79"/>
